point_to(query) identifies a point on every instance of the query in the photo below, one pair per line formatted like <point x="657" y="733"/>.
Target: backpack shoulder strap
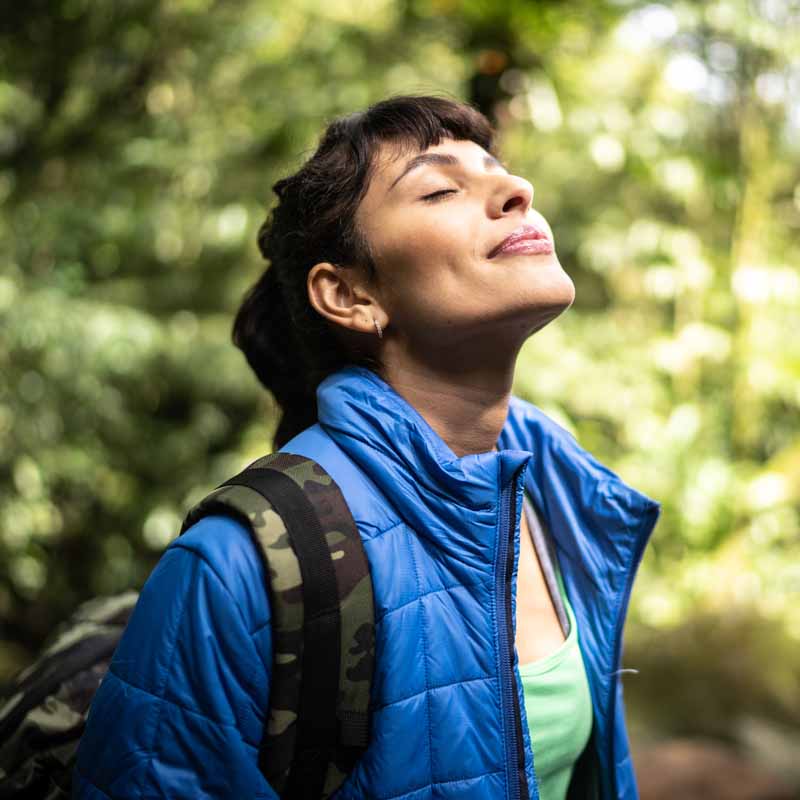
<point x="323" y="622"/>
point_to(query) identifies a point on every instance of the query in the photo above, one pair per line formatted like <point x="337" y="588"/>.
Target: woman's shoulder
<point x="206" y="592"/>
<point x="226" y="545"/>
<point x="226" y="548"/>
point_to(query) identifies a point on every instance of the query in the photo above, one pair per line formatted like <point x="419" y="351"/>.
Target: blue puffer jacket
<point x="180" y="713"/>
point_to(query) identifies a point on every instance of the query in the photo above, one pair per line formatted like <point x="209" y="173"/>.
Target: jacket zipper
<point x="517" y="784"/>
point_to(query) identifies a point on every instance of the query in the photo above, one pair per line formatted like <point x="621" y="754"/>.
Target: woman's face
<point x="432" y="220"/>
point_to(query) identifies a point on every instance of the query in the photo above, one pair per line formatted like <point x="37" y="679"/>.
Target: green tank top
<point x="559" y="709"/>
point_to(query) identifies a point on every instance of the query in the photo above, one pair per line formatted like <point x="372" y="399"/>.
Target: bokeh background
<point x="138" y="144"/>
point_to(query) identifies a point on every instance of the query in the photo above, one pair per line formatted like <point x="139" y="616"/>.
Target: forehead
<point x="389" y="163"/>
<point x="391" y="158"/>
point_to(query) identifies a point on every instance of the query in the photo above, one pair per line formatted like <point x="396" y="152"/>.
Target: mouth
<point x="528" y="239"/>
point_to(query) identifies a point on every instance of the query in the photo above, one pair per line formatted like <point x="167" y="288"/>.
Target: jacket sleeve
<point x="180" y="713"/>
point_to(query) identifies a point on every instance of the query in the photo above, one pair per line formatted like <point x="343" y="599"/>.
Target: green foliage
<point x="138" y="144"/>
<point x="678" y="360"/>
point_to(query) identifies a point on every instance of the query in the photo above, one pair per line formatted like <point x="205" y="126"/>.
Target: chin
<point x="569" y="293"/>
<point x="553" y="290"/>
<point x="550" y="301"/>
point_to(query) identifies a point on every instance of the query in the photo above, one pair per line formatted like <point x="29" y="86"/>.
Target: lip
<point x="522" y="239"/>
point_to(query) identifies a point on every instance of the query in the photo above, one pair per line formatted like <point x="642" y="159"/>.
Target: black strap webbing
<point x="317" y="728"/>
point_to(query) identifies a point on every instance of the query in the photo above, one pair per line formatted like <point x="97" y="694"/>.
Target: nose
<point x="512" y="195"/>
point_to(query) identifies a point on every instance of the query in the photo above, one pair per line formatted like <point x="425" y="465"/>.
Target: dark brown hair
<point x="290" y="346"/>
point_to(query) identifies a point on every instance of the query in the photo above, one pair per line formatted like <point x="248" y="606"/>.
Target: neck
<point x="467" y="409"/>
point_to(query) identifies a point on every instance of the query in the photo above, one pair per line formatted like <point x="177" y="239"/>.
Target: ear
<point x="340" y="295"/>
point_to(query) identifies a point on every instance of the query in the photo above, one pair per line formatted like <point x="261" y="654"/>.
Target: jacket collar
<point x="435" y="491"/>
<point x="450" y="501"/>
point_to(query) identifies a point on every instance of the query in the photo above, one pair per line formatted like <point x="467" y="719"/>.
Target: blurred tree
<point x="138" y="145"/>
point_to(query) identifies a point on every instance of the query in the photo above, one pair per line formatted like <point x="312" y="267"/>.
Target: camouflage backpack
<point x="323" y="644"/>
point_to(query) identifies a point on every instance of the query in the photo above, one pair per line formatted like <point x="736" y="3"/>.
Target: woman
<point x="407" y="269"/>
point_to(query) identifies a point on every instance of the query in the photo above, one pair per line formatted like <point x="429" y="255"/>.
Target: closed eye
<point x="432" y="198"/>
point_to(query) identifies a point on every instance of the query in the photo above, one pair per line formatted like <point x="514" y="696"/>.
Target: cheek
<point x="420" y="276"/>
<point x="433" y="251"/>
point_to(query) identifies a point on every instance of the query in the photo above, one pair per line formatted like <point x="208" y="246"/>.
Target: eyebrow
<point x="442" y="159"/>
